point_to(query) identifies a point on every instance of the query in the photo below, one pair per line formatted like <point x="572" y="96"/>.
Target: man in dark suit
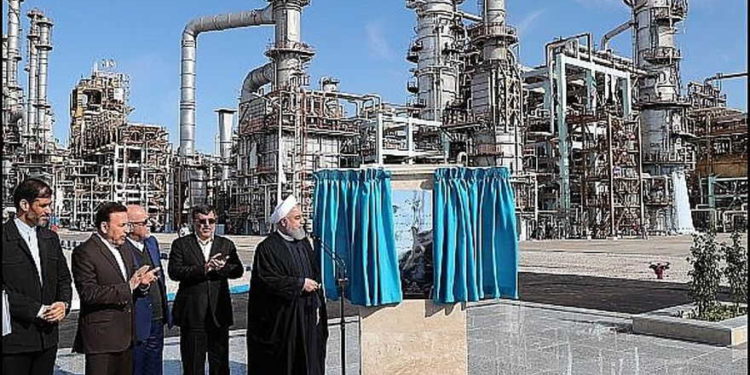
<point x="106" y="281"/>
<point x="203" y="262"/>
<point x="151" y="310"/>
<point x="37" y="280"/>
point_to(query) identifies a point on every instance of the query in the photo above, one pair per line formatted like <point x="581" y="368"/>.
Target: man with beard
<point x="37" y="280"/>
<point x="287" y="324"/>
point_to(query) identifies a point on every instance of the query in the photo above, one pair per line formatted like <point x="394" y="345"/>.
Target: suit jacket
<point x="105" y="321"/>
<point x="25" y="294"/>
<point x="143" y="305"/>
<point x="201" y="293"/>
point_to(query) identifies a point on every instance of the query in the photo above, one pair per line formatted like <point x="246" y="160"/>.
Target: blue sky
<point x="360" y="42"/>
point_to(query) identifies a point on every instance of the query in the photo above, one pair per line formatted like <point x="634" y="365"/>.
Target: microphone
<point x="341" y="283"/>
<point x="340" y="264"/>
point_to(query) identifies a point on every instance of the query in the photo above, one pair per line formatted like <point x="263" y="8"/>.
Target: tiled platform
<point x="510" y="337"/>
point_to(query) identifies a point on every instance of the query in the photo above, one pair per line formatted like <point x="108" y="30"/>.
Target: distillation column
<point x="43" y="115"/>
<point x="33" y="70"/>
<point x="12" y="102"/>
<point x="288" y="52"/>
<point x="496" y="90"/>
<point x="436" y="54"/>
<point x="665" y="134"/>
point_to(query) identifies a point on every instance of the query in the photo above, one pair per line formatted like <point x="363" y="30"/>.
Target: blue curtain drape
<point x="475" y="248"/>
<point x="353" y="216"/>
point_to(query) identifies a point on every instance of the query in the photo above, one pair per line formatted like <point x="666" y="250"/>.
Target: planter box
<point x="664" y="323"/>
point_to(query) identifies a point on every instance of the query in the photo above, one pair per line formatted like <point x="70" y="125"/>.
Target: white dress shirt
<point x="205" y="246"/>
<point x="117" y="255"/>
<point x="29" y="236"/>
<point x="138" y="245"/>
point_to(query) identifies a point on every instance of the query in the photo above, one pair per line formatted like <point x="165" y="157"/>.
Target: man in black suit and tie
<point x="107" y="283"/>
<point x="37" y="280"/>
<point x="203" y="262"/>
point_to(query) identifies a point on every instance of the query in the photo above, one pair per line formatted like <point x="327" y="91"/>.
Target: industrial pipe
<point x="604" y="45"/>
<point x="226" y="120"/>
<point x="43" y="48"/>
<point x="187" y="74"/>
<point x="256" y="79"/>
<point x="5" y="66"/>
<point x="722" y="76"/>
<point x="14" y="53"/>
<point x="469" y="16"/>
<point x="33" y="39"/>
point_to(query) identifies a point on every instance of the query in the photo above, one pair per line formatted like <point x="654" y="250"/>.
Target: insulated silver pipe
<point x="44" y="47"/>
<point x="14" y="53"/>
<point x="437" y="67"/>
<point x="256" y="79"/>
<point x="494" y="20"/>
<point x="288" y="15"/>
<point x="5" y="66"/>
<point x="604" y="45"/>
<point x="32" y="124"/>
<point x="226" y="121"/>
<point x="721" y="76"/>
<point x="187" y="74"/>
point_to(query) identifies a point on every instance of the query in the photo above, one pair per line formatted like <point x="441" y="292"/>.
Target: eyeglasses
<point x="138" y="223"/>
<point x="206" y="221"/>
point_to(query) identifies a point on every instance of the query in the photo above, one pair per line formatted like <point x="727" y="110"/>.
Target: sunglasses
<point x="206" y="221"/>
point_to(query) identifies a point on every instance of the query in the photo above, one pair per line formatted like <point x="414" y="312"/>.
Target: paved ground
<point x="523" y="338"/>
<point x="516" y="337"/>
<point x="572" y="317"/>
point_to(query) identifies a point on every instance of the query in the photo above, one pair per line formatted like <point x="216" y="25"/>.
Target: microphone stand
<point x="341" y="281"/>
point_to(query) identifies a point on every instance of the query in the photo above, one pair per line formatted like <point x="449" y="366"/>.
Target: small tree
<point x="736" y="270"/>
<point x="706" y="274"/>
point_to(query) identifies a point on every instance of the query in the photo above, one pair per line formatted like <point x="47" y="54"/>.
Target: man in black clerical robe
<point x="287" y="323"/>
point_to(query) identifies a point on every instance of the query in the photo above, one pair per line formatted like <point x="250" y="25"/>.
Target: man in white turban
<point x="288" y="225"/>
<point x="286" y="317"/>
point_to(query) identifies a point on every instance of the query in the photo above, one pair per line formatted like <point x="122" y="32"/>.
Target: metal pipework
<point x="226" y="121"/>
<point x="437" y="70"/>
<point x="604" y="45"/>
<point x="494" y="22"/>
<point x="656" y="53"/>
<point x="32" y="124"/>
<point x="5" y="66"/>
<point x="722" y="76"/>
<point x="256" y="79"/>
<point x="44" y="47"/>
<point x="14" y="53"/>
<point x="187" y="74"/>
<point x="288" y="52"/>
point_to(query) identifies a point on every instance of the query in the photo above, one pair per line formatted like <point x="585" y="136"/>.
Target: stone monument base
<point x="413" y="337"/>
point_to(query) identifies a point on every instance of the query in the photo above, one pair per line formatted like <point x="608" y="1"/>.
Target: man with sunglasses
<point x="203" y="263"/>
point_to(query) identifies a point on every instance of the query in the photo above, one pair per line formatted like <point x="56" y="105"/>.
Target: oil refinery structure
<point x="599" y="145"/>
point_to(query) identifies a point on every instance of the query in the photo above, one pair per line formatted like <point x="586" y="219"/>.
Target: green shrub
<point x="706" y="273"/>
<point x="735" y="269"/>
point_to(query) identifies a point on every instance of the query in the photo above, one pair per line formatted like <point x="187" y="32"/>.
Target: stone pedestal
<point x="414" y="337"/>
